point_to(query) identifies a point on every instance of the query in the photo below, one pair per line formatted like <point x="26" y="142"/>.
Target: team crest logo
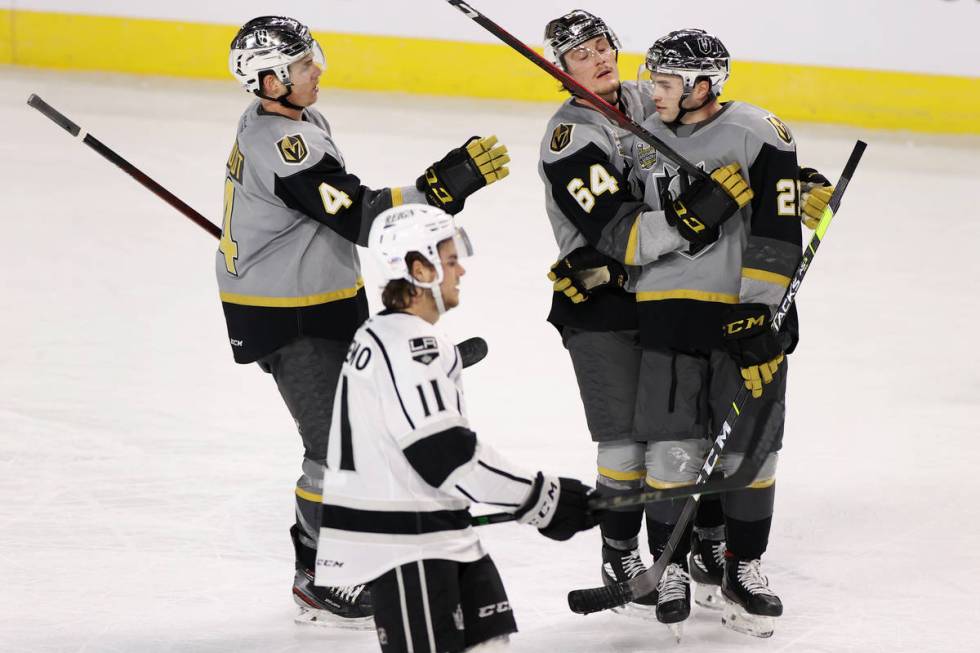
<point x="424" y="350"/>
<point x="561" y="137"/>
<point x="646" y="156"/>
<point x="292" y="149"/>
<point x="781" y="129"/>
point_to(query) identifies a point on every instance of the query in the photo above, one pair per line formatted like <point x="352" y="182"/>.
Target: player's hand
<point x="699" y="211"/>
<point x="557" y="507"/>
<point x="584" y="271"/>
<point x="815" y="192"/>
<point x="448" y="182"/>
<point x="750" y="341"/>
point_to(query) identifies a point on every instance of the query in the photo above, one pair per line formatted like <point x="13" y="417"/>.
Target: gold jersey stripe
<point x="657" y="484"/>
<point x="762" y="484"/>
<point x="621" y="476"/>
<point x="396" y="197"/>
<point x="698" y="295"/>
<point x="309" y="496"/>
<point x="631" y="244"/>
<point x="292" y="302"/>
<point x="780" y="280"/>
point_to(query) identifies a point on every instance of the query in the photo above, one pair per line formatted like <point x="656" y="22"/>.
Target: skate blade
<point x="736" y="618"/>
<point x="327" y="619"/>
<point x="709" y="596"/>
<point x="637" y="611"/>
<point x="677" y="630"/>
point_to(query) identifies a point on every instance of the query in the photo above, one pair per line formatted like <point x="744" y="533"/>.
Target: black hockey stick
<point x="62" y="121"/>
<point x="580" y="91"/>
<point x="586" y="601"/>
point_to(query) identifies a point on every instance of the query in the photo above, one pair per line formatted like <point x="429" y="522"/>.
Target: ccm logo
<point x="493" y="608"/>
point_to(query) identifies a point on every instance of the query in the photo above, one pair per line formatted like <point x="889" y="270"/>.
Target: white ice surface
<point x="146" y="480"/>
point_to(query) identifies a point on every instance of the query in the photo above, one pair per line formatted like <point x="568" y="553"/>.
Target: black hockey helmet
<point x="693" y="54"/>
<point x="574" y="28"/>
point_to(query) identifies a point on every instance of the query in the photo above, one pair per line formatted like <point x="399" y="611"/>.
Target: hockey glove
<point x="815" y="192"/>
<point x="699" y="211"/>
<point x="448" y="182"/>
<point x="751" y="343"/>
<point x="557" y="507"/>
<point x="584" y="271"/>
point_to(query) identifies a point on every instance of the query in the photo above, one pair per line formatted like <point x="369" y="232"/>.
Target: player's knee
<point x="620" y="465"/>
<point x="674" y="463"/>
<point x="765" y="478"/>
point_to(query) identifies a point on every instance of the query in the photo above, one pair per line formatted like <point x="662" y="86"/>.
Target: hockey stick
<point x="62" y="121"/>
<point x="580" y="91"/>
<point x="586" y="601"/>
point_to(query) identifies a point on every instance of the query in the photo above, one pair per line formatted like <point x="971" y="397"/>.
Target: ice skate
<point x="707" y="568"/>
<point x="619" y="566"/>
<point x="674" y="598"/>
<point x="340" y="607"/>
<point x="750" y="605"/>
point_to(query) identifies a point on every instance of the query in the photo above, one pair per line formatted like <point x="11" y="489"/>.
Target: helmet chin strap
<point x="681" y="111"/>
<point x="282" y="99"/>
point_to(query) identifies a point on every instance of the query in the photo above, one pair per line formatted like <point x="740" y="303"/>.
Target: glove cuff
<point x="539" y="509"/>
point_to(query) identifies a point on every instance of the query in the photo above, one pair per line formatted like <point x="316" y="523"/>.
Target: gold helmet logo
<point x="292" y="149"/>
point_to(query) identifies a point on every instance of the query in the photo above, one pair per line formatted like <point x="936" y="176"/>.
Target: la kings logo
<point x="424" y="350"/>
<point x="292" y="149"/>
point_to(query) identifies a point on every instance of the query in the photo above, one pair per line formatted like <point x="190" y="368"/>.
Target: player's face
<point x="452" y="270"/>
<point x="593" y="65"/>
<point x="305" y="75"/>
<point x="667" y="92"/>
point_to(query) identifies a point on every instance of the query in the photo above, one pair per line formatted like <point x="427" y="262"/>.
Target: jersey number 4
<point x="228" y="245"/>
<point x="600" y="181"/>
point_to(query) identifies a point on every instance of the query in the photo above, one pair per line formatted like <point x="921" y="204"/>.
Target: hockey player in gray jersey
<point x="404" y="464"/>
<point x="704" y="313"/>
<point x="287" y="266"/>
<point x="585" y="161"/>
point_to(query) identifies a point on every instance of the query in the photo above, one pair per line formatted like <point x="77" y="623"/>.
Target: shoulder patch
<point x="561" y="137"/>
<point x="424" y="350"/>
<point x="292" y="149"/>
<point x="781" y="129"/>
<point x="646" y="156"/>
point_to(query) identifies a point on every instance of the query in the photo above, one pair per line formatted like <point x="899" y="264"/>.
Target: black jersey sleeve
<point x="330" y="194"/>
<point x="775" y="236"/>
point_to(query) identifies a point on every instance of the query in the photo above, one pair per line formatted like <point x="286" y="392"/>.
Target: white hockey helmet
<point x="270" y="43"/>
<point x="571" y="30"/>
<point x="415" y="228"/>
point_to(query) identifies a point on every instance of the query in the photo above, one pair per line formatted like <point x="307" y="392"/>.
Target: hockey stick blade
<point x="472" y="351"/>
<point x="595" y="599"/>
<point x="603" y="107"/>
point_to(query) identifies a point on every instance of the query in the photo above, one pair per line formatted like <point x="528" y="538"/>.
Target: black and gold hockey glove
<point x="815" y="192"/>
<point x="700" y="210"/>
<point x="585" y="271"/>
<point x="448" y="182"/>
<point x="751" y="343"/>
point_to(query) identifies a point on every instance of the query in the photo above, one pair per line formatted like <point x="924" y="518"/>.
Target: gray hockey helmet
<point x="573" y="29"/>
<point x="270" y="43"/>
<point x="693" y="54"/>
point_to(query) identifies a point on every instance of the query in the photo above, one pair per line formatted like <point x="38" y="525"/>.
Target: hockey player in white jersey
<point x="287" y="265"/>
<point x="404" y="465"/>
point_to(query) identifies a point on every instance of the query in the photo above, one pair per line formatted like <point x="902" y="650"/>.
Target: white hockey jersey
<point x="402" y="463"/>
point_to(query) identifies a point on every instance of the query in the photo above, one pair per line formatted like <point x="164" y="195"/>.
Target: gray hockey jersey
<point x="585" y="163"/>
<point x="286" y="263"/>
<point x="680" y="297"/>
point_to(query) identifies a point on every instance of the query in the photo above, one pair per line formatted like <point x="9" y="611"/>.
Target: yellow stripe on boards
<point x="621" y="476"/>
<point x="866" y="98"/>
<point x="698" y="295"/>
<point x="292" y="302"/>
<point x="309" y="496"/>
<point x="6" y="36"/>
